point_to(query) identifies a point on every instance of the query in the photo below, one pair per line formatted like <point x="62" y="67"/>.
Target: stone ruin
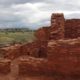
<point x="56" y="49"/>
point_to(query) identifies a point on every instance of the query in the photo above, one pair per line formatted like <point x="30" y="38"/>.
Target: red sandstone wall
<point x="42" y="34"/>
<point x="30" y="49"/>
<point x="12" y="52"/>
<point x="35" y="49"/>
<point x="32" y="66"/>
<point x="72" y="28"/>
<point x="64" y="56"/>
<point x="57" y="26"/>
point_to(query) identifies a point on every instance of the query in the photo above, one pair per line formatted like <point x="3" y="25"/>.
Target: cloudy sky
<point x="35" y="13"/>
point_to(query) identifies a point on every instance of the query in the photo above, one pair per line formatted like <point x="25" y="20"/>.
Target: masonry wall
<point x="72" y="28"/>
<point x="60" y="28"/>
<point x="34" y="49"/>
<point x="32" y="66"/>
<point x="64" y="56"/>
<point x="42" y="34"/>
<point x="57" y="26"/>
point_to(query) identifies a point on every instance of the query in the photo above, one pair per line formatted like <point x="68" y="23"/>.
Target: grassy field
<point x="16" y="37"/>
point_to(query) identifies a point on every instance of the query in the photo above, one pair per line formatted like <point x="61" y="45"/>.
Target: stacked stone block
<point x="64" y="56"/>
<point x="32" y="66"/>
<point x="42" y="34"/>
<point x="72" y="28"/>
<point x="57" y="26"/>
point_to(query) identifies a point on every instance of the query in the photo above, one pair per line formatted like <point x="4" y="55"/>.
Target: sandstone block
<point x="57" y="26"/>
<point x="32" y="65"/>
<point x="72" y="28"/>
<point x="65" y="56"/>
<point x="42" y="34"/>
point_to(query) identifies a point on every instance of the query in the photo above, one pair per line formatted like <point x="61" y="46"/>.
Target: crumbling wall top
<point x="55" y="15"/>
<point x="57" y="26"/>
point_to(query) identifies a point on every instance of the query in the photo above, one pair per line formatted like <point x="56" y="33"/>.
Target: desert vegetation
<point x="13" y="36"/>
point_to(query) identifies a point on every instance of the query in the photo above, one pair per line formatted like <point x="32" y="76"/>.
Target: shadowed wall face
<point x="42" y="34"/>
<point x="72" y="28"/>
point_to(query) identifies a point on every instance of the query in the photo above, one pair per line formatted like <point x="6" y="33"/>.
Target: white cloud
<point x="31" y="13"/>
<point x="37" y="13"/>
